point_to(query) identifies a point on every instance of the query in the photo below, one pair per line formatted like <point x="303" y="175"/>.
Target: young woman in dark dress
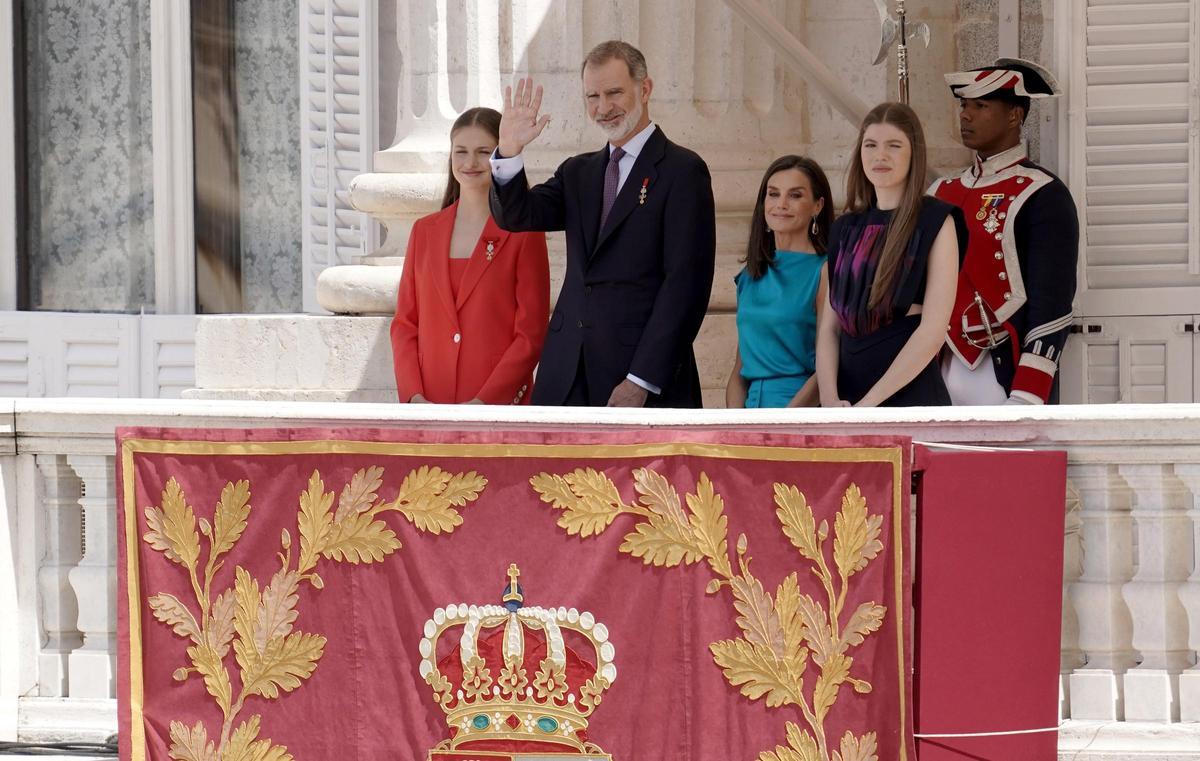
<point x="892" y="271"/>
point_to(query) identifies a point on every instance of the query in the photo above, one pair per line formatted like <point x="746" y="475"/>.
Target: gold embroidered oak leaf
<point x="316" y="522"/>
<point x="359" y="495"/>
<point x="220" y="629"/>
<point x="801" y="747"/>
<point x="833" y="673"/>
<point x="173" y="527"/>
<point x="283" y="664"/>
<point x="756" y="613"/>
<point x="710" y="526"/>
<point x="360" y="538"/>
<point x="245" y="617"/>
<point x="589" y="500"/>
<point x="657" y="493"/>
<point x="244" y="745"/>
<point x="191" y="744"/>
<point x="756" y="670"/>
<point x="856" y="534"/>
<point x="216" y="677"/>
<point x="787" y="607"/>
<point x="277" y="608"/>
<point x="866" y="618"/>
<point x="428" y="497"/>
<point x="168" y="609"/>
<point x="233" y="510"/>
<point x="816" y="629"/>
<point x="857" y="748"/>
<point x="796" y="515"/>
<point x="660" y="543"/>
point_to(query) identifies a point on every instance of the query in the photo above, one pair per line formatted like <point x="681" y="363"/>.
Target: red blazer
<point x="485" y="343"/>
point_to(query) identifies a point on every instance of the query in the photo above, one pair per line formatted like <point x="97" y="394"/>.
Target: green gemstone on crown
<point x="547" y="724"/>
<point x="481" y="721"/>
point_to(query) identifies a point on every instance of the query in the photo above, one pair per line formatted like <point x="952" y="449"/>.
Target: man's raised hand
<point x="520" y="124"/>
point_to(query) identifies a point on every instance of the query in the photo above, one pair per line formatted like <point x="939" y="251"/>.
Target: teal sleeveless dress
<point x="777" y="327"/>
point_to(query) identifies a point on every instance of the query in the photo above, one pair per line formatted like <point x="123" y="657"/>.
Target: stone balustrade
<point x="1131" y="624"/>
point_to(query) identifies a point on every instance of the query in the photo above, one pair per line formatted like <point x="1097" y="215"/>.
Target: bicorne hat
<point x="1006" y="79"/>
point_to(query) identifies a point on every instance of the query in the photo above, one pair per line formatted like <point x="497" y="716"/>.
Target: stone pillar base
<point x="294" y="358"/>
<point x="1095" y="695"/>
<point x="1150" y="695"/>
<point x="1189" y="695"/>
<point x="92" y="673"/>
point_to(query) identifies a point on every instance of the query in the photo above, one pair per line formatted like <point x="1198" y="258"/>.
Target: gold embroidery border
<point x="129" y="447"/>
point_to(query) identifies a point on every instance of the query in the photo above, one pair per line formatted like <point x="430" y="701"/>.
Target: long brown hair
<point x="489" y="120"/>
<point x="860" y="195"/>
<point x="760" y="252"/>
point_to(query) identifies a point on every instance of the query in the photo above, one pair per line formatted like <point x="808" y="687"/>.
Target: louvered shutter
<point x="1141" y="360"/>
<point x="1140" y="186"/>
<point x="339" y="131"/>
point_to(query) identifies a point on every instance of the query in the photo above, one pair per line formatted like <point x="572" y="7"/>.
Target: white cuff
<point x="1023" y="397"/>
<point x="505" y="169"/>
<point x="648" y="386"/>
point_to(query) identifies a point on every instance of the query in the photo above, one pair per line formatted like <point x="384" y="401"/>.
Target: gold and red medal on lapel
<point x="989" y="211"/>
<point x="642" y="192"/>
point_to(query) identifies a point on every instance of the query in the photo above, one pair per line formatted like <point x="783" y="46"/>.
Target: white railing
<point x="1131" y="623"/>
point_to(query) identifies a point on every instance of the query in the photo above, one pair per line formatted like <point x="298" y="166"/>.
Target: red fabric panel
<point x="988" y="599"/>
<point x="366" y="698"/>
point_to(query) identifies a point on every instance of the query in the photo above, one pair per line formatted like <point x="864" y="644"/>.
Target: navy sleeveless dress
<point x="873" y="337"/>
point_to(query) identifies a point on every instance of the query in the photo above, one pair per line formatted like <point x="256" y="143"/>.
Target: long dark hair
<point x="860" y="195"/>
<point x="489" y="120"/>
<point x="760" y="251"/>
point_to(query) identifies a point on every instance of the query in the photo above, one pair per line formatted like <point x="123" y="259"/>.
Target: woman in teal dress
<point x="781" y="290"/>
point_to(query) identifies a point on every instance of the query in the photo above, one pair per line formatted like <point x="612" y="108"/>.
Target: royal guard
<point x="1012" y="312"/>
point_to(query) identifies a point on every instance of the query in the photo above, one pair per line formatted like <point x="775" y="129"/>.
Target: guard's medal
<point x="993" y="222"/>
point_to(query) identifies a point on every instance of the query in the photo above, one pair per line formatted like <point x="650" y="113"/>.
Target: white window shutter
<point x="1140" y="360"/>
<point x="1140" y="187"/>
<point x="339" y="131"/>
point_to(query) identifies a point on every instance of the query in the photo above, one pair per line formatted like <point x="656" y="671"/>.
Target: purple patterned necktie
<point x="612" y="178"/>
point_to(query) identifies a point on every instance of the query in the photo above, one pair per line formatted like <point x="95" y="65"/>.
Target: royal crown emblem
<point x="516" y="682"/>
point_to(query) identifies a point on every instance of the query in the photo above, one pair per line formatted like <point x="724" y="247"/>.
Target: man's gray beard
<point x="626" y="127"/>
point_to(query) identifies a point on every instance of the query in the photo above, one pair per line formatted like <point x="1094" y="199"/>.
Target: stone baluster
<point x="1189" y="595"/>
<point x="1071" y="657"/>
<point x="60" y="524"/>
<point x="1105" y="628"/>
<point x="1159" y="619"/>
<point x="92" y="667"/>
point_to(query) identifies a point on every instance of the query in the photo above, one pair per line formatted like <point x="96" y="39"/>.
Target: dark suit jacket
<point x="635" y="292"/>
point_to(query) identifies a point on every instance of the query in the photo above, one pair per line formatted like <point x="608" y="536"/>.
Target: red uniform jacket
<point x="485" y="343"/>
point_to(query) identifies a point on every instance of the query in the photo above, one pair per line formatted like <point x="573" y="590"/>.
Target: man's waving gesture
<point x="520" y="124"/>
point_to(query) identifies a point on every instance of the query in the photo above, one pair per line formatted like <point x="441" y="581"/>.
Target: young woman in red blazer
<point x="474" y="300"/>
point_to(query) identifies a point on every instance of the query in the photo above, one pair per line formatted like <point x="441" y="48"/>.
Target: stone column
<point x="1189" y="595"/>
<point x="92" y="667"/>
<point x="1159" y="618"/>
<point x="61" y="523"/>
<point x="1105" y="627"/>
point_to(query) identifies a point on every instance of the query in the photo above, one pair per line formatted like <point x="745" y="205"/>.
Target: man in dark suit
<point x="641" y="242"/>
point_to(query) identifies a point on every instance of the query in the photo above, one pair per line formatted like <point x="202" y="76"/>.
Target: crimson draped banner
<point x="447" y="595"/>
